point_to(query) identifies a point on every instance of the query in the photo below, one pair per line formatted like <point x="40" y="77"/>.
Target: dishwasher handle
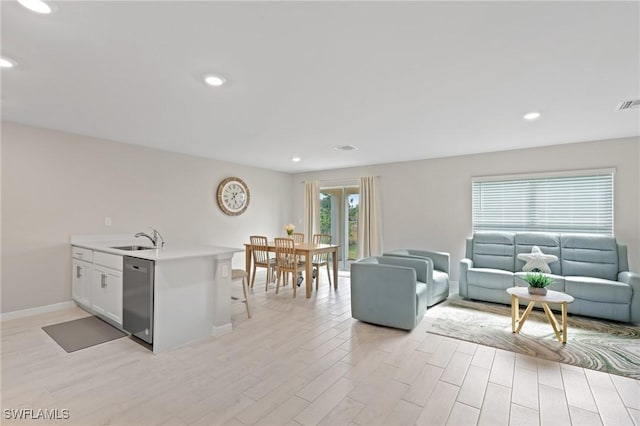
<point x="136" y="268"/>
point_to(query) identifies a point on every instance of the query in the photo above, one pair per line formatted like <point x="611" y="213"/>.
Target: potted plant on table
<point x="538" y="282"/>
<point x="290" y="228"/>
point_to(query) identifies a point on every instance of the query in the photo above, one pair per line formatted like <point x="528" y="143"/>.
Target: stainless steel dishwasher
<point x="137" y="297"/>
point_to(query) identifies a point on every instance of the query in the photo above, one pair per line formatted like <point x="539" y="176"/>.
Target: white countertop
<point x="171" y="251"/>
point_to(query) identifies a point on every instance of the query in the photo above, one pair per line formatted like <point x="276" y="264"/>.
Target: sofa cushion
<point x="490" y="278"/>
<point x="421" y="297"/>
<point x="440" y="282"/>
<point x="598" y="290"/>
<point x="439" y="288"/>
<point x="557" y="285"/>
<point x="548" y="242"/>
<point x="611" y="311"/>
<point x="494" y="250"/>
<point x="589" y="256"/>
<point x="495" y="295"/>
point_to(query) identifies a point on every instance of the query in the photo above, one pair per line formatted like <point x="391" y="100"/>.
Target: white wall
<point x="55" y="184"/>
<point x="427" y="203"/>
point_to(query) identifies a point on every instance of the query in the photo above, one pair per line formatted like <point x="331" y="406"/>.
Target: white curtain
<point x="369" y="218"/>
<point x="311" y="208"/>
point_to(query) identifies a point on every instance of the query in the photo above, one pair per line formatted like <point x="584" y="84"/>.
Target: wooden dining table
<point x="308" y="250"/>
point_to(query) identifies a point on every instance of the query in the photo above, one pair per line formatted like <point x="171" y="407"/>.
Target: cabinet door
<point x="115" y="296"/>
<point x="81" y="274"/>
<point x="107" y="293"/>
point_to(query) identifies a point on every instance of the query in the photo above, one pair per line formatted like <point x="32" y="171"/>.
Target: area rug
<point x="601" y="345"/>
<point x="82" y="333"/>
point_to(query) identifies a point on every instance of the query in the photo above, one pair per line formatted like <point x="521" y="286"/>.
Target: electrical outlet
<point x="225" y="271"/>
<point x="107" y="221"/>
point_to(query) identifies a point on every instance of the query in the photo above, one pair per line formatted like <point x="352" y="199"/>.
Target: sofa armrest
<point x="623" y="261"/>
<point x="384" y="294"/>
<point x="465" y="265"/>
<point x="439" y="259"/>
<point x="633" y="279"/>
<point x="422" y="266"/>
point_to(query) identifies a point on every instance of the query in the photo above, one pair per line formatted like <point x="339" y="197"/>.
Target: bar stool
<point x="241" y="274"/>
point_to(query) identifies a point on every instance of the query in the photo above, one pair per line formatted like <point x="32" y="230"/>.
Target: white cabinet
<point x="107" y="286"/>
<point x="81" y="276"/>
<point x="81" y="282"/>
<point x="107" y="293"/>
<point x="96" y="283"/>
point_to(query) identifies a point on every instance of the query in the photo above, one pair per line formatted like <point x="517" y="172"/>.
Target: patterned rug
<point x="595" y="344"/>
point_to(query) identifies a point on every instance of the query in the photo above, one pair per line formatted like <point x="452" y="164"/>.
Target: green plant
<point x="290" y="228"/>
<point x="538" y="279"/>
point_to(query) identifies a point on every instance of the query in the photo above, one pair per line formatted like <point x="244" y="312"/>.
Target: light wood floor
<point x="304" y="362"/>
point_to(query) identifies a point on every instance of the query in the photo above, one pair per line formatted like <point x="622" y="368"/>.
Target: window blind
<point x="580" y="202"/>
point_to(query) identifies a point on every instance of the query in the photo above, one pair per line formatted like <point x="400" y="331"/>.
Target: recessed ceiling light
<point x="214" y="80"/>
<point x="296" y="159"/>
<point x="345" y="148"/>
<point x="531" y="116"/>
<point x="6" y="63"/>
<point x="37" y="6"/>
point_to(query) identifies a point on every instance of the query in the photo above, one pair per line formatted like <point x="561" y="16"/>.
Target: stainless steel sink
<point x="133" y="248"/>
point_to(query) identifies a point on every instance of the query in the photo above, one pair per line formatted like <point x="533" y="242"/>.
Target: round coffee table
<point x="560" y="329"/>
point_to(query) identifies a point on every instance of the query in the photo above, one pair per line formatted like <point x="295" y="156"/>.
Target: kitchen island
<point x="192" y="291"/>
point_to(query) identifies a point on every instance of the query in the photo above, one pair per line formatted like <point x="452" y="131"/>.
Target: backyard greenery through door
<point x="339" y="217"/>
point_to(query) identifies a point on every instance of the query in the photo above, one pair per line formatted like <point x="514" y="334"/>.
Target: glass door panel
<point x="353" y="204"/>
<point x="339" y="218"/>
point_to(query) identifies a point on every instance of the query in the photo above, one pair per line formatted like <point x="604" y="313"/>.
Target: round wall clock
<point x="233" y="196"/>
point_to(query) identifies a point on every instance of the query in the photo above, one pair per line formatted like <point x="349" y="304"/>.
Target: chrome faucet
<point x="154" y="239"/>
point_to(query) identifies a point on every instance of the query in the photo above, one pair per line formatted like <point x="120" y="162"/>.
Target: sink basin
<point x="133" y="248"/>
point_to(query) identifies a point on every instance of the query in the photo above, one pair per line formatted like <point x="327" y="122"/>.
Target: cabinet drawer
<point x="109" y="260"/>
<point x="82" y="253"/>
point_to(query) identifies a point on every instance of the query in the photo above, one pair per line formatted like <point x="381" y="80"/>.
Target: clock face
<point x="233" y="196"/>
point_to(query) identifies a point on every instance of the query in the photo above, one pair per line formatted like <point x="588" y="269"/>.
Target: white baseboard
<point x="35" y="311"/>
<point x="219" y="330"/>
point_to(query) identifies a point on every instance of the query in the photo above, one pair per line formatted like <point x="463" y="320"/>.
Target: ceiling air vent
<point x="628" y="104"/>
<point x="345" y="148"/>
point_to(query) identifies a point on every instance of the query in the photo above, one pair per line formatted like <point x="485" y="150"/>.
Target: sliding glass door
<point x="339" y="217"/>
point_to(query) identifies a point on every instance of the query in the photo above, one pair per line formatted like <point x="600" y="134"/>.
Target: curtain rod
<point x="338" y="179"/>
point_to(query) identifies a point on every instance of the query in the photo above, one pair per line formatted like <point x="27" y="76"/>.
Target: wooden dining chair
<point x="298" y="237"/>
<point x="287" y="261"/>
<point x="261" y="258"/>
<point x="321" y="259"/>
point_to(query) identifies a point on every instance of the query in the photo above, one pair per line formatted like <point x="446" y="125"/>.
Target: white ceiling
<point x="399" y="80"/>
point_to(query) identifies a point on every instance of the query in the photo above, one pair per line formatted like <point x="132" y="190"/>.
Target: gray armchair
<point x="437" y="273"/>
<point x="390" y="291"/>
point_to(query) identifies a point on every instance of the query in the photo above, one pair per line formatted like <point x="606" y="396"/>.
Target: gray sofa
<point x="591" y="268"/>
<point x="394" y="291"/>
